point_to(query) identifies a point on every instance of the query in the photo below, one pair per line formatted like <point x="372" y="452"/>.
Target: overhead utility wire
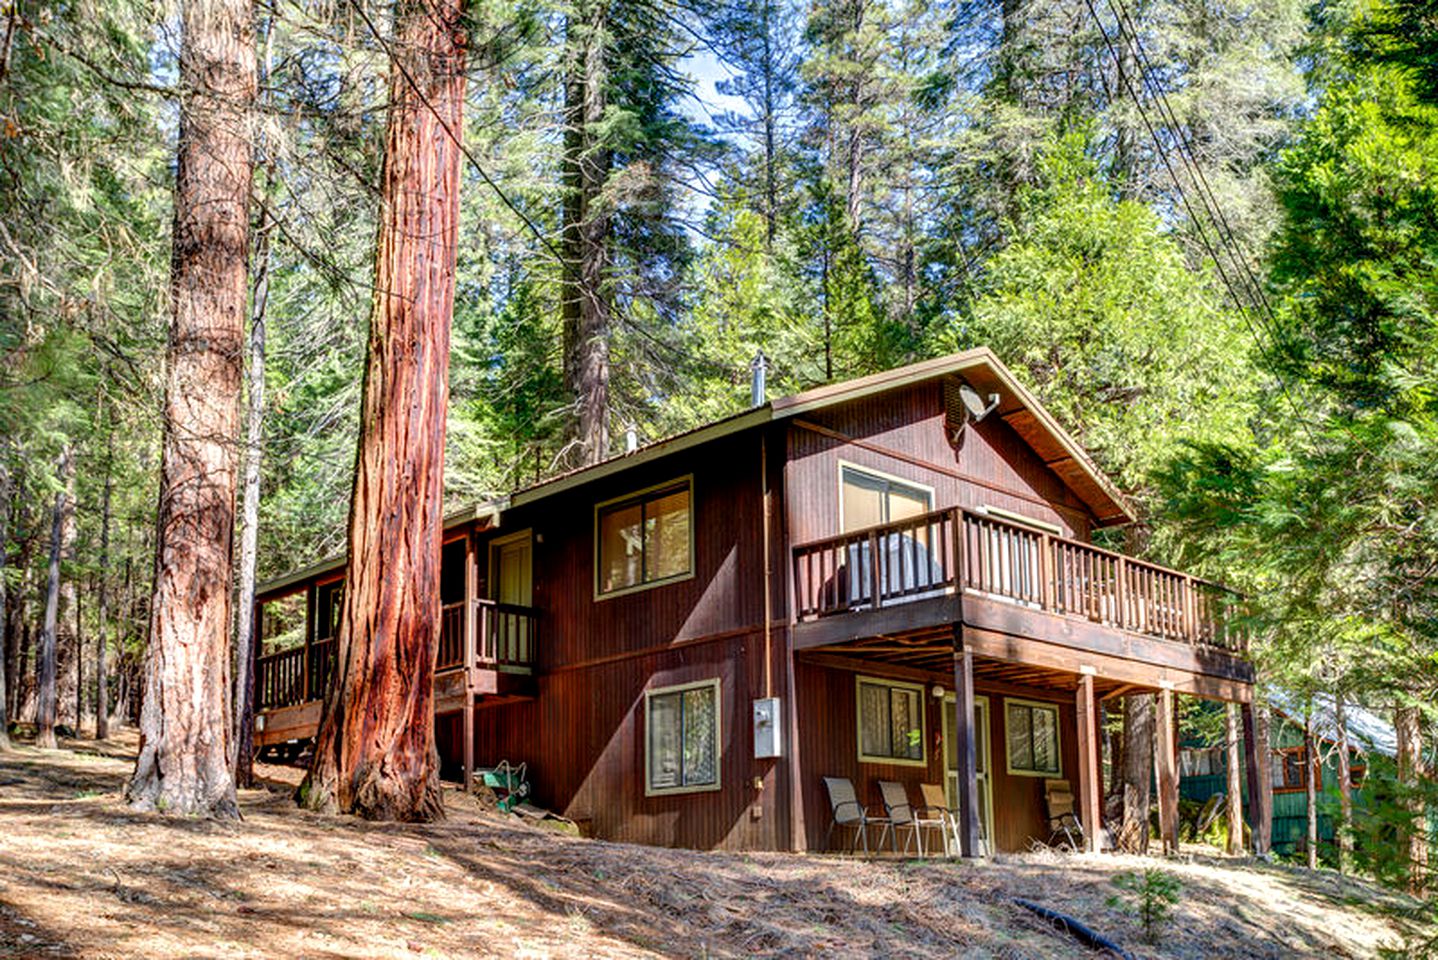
<point x="484" y="175"/>
<point x="1244" y="310"/>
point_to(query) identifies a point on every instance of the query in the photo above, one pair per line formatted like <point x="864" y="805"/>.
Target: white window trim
<point x="688" y="481"/>
<point x="859" y="681"/>
<point x="716" y="684"/>
<point x="1022" y="519"/>
<point x="1058" y="739"/>
<point x="881" y="475"/>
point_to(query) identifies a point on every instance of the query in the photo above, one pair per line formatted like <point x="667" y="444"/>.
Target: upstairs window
<point x="868" y="499"/>
<point x="644" y="539"/>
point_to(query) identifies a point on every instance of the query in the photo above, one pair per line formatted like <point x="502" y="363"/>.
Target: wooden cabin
<point x="890" y="578"/>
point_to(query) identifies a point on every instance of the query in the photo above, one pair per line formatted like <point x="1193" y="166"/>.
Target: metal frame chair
<point x="845" y="810"/>
<point x="1062" y="818"/>
<point x="900" y="814"/>
<point x="935" y="812"/>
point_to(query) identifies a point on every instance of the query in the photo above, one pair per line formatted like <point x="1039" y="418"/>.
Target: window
<point x="869" y="499"/>
<point x="891" y="722"/>
<point x="1201" y="761"/>
<point x="644" y="539"/>
<point x="682" y="738"/>
<point x="1032" y="731"/>
<point x="1289" y="770"/>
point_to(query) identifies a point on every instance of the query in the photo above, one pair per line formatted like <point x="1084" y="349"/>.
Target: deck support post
<point x="471" y="591"/>
<point x="1257" y="812"/>
<point x="1088" y="762"/>
<point x="968" y="776"/>
<point x="1167" y="775"/>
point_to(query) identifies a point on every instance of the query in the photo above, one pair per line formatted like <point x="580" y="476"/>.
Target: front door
<point x="981" y="765"/>
<point x="511" y="581"/>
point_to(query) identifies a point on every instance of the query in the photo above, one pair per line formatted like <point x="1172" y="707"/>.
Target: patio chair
<point x="936" y="814"/>
<point x="846" y="811"/>
<point x="1062" y="818"/>
<point x="900" y="815"/>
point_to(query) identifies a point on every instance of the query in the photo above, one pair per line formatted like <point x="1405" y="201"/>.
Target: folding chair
<point x="1062" y="818"/>
<point x="934" y="813"/>
<point x="900" y="815"/>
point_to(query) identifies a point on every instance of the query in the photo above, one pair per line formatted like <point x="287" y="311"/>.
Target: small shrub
<point x="1152" y="895"/>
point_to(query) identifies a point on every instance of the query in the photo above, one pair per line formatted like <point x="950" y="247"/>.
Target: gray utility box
<point x="767" y="728"/>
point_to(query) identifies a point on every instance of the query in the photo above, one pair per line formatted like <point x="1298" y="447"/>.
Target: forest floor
<point x="82" y="876"/>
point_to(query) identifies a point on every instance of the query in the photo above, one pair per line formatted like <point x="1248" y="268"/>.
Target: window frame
<point x="923" y="488"/>
<point x="715" y="683"/>
<point x="1058" y="772"/>
<point x="1303" y="763"/>
<point x="639" y="497"/>
<point x="888" y="683"/>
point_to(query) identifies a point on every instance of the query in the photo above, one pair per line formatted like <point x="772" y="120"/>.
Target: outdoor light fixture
<point x="938" y="691"/>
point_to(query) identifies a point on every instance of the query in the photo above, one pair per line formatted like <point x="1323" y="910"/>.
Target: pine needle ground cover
<point x="82" y="876"/>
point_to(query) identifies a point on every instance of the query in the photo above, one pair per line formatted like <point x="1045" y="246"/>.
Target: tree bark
<point x="5" y="504"/>
<point x="102" y="688"/>
<point x="67" y="637"/>
<point x="1263" y="833"/>
<point x="1345" y="786"/>
<point x="375" y="754"/>
<point x="586" y="230"/>
<point x="46" y="694"/>
<point x="183" y="766"/>
<point x="245" y="639"/>
<point x="1233" y="742"/>
<point x="1414" y="837"/>
<point x="1313" y="775"/>
<point x="1137" y="773"/>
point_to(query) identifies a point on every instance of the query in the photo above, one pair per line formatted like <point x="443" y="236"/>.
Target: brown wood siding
<point x="828" y="743"/>
<point x="724" y="595"/>
<point x="905" y="434"/>
<point x="583" y="738"/>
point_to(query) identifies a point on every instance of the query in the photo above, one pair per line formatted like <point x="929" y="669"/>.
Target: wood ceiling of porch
<point x="932" y="651"/>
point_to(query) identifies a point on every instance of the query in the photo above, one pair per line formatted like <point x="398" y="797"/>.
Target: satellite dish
<point x="975" y="404"/>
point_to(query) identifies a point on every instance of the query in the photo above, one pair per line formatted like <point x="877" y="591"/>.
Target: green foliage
<point x="1150" y="896"/>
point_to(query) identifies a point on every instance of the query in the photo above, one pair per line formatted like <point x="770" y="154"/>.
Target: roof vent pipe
<point x="758" y="386"/>
<point x="631" y="439"/>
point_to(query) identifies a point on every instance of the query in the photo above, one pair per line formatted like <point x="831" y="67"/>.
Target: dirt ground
<point x="81" y="876"/>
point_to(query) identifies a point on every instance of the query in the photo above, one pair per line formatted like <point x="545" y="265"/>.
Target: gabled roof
<point x="980" y="368"/>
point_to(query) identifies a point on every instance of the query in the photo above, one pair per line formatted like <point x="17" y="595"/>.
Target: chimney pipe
<point x="631" y="439"/>
<point x="758" y="387"/>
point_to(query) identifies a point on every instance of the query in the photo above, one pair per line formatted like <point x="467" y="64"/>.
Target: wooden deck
<point x="1018" y="596"/>
<point x="290" y="685"/>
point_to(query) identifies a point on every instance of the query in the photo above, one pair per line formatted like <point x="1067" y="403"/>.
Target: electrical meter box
<point x="766" y="728"/>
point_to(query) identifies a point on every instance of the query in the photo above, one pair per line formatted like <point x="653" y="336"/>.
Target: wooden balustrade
<point x="957" y="548"/>
<point x="506" y="637"/>
<point x="279" y="679"/>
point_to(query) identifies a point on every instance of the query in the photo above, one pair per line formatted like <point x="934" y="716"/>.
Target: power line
<point x="484" y="175"/>
<point x="1244" y="308"/>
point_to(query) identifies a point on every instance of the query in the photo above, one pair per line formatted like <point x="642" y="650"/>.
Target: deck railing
<point x="932" y="554"/>
<point x="505" y="639"/>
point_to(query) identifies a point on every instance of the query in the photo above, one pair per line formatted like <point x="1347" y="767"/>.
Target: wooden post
<point x="875" y="567"/>
<point x="1088" y="762"/>
<point x="959" y="541"/>
<point x="968" y="774"/>
<point x="1257" y="817"/>
<point x="1046" y="569"/>
<point x="471" y="590"/>
<point x="312" y="597"/>
<point x="1167" y="775"/>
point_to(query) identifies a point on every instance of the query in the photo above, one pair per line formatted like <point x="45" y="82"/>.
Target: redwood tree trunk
<point x="586" y="230"/>
<point x="183" y="766"/>
<point x="1137" y="772"/>
<point x="46" y="694"/>
<point x="1233" y="756"/>
<point x="1312" y="781"/>
<point x="4" y="633"/>
<point x="1408" y="722"/>
<point x="375" y="754"/>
